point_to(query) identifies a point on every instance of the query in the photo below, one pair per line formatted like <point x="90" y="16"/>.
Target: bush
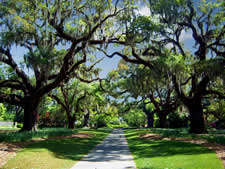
<point x="99" y="120"/>
<point x="135" y="118"/>
<point x="177" y="121"/>
<point x="19" y="125"/>
<point x="2" y="112"/>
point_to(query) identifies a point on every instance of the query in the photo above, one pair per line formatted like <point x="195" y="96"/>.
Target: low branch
<point x="9" y="61"/>
<point x="11" y="99"/>
<point x="85" y="80"/>
<point x="13" y="84"/>
<point x="92" y="66"/>
<point x="213" y="92"/>
<point x="58" y="100"/>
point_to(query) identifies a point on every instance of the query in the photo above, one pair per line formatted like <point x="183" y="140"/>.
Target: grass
<point x="42" y="133"/>
<point x="213" y="136"/>
<point x="57" y="154"/>
<point x="8" y="130"/>
<point x="161" y="154"/>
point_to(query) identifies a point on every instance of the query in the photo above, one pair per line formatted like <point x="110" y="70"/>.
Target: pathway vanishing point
<point x="112" y="153"/>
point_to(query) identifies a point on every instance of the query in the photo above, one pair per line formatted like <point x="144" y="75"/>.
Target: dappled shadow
<point x="112" y="152"/>
<point x="163" y="148"/>
<point x="218" y="148"/>
<point x="66" y="148"/>
<point x="113" y="148"/>
<point x="166" y="148"/>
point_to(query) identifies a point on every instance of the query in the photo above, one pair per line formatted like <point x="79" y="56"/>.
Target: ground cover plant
<point x="159" y="154"/>
<point x="56" y="153"/>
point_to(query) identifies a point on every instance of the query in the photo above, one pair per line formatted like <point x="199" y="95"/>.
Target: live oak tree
<point x="148" y="36"/>
<point x="205" y="22"/>
<point x="57" y="38"/>
<point x="70" y="97"/>
<point x="154" y="85"/>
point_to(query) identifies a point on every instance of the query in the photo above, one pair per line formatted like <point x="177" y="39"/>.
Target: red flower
<point x="47" y="115"/>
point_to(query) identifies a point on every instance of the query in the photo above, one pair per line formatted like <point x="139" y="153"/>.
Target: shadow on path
<point x="112" y="153"/>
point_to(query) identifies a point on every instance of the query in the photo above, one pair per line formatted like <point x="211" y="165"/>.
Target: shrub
<point x="19" y="125"/>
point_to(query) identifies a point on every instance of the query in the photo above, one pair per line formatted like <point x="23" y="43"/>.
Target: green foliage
<point x="56" y="116"/>
<point x="177" y="120"/>
<point x="2" y="111"/>
<point x="19" y="125"/>
<point x="135" y="118"/>
<point x="99" y="120"/>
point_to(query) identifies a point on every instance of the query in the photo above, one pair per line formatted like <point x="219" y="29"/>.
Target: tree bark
<point x="162" y="120"/>
<point x="194" y="104"/>
<point x="71" y="122"/>
<point x="196" y="117"/>
<point x="30" y="114"/>
<point x="150" y="119"/>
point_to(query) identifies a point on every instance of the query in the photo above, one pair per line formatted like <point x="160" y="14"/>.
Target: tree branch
<point x="11" y="99"/>
<point x="13" y="84"/>
<point x="58" y="100"/>
<point x="15" y="67"/>
<point x="146" y="63"/>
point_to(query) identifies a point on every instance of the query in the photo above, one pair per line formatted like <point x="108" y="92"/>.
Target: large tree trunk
<point x="71" y="122"/>
<point x="162" y="120"/>
<point x="150" y="119"/>
<point x="30" y="114"/>
<point x="196" y="116"/>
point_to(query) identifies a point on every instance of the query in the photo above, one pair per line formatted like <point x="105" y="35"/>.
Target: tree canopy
<point x="61" y="41"/>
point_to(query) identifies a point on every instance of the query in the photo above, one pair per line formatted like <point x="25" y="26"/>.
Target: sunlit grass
<point x="160" y="154"/>
<point x="57" y="154"/>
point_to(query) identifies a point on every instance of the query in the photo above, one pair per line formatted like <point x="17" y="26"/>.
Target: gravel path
<point x="112" y="153"/>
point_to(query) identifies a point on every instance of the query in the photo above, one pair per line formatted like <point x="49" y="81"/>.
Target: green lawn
<point x="8" y="130"/>
<point x="213" y="136"/>
<point x="161" y="154"/>
<point x="9" y="136"/>
<point x="57" y="154"/>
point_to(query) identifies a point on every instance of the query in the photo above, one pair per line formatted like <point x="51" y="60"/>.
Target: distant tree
<point x="154" y="85"/>
<point x="70" y="97"/>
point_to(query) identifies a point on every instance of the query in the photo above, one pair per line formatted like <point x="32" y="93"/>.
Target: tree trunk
<point x="71" y="122"/>
<point x="196" y="117"/>
<point x="150" y="115"/>
<point x="30" y="114"/>
<point x="86" y="119"/>
<point x="162" y="120"/>
<point x="150" y="119"/>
